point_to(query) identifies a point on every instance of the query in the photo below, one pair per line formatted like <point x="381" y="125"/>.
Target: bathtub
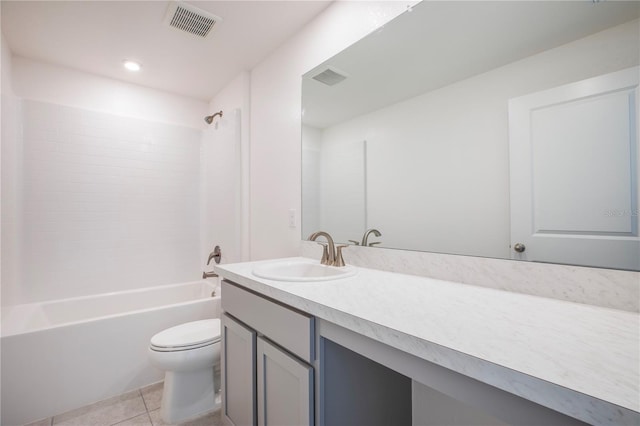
<point x="64" y="354"/>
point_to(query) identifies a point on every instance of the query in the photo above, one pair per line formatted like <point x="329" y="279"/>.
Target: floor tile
<point x="141" y="420"/>
<point x="156" y="419"/>
<point x="152" y="396"/>
<point x="212" y="419"/>
<point x="105" y="413"/>
<point x="43" y="422"/>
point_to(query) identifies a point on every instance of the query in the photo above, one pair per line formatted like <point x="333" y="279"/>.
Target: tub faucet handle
<point x="216" y="254"/>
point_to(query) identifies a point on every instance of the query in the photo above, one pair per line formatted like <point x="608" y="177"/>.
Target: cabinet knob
<point x="519" y="247"/>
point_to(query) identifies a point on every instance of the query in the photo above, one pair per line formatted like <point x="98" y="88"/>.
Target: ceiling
<point x="96" y="36"/>
<point x="439" y="43"/>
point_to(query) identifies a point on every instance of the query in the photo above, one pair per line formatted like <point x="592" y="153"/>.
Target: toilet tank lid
<point x="188" y="334"/>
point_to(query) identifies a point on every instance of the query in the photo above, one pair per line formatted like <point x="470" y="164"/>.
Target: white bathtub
<point x="64" y="354"/>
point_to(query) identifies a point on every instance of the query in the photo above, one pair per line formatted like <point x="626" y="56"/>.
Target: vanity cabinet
<point x="267" y="356"/>
<point x="285" y="387"/>
<point x="238" y="367"/>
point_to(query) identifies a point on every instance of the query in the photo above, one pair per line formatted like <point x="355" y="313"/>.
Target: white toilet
<point x="188" y="354"/>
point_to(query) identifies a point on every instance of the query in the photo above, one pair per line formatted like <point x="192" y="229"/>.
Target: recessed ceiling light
<point x="132" y="65"/>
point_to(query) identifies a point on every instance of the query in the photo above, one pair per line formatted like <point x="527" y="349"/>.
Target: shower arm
<point x="209" y="118"/>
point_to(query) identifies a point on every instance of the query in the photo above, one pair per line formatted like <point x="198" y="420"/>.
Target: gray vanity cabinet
<point x="285" y="387"/>
<point x="267" y="355"/>
<point x="238" y="373"/>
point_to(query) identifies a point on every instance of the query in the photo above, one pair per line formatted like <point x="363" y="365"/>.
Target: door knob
<point x="519" y="247"/>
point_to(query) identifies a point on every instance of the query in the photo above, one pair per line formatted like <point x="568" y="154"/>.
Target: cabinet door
<point x="238" y="373"/>
<point x="285" y="388"/>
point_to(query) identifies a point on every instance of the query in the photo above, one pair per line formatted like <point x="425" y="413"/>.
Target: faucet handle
<point x="355" y="243"/>
<point x="325" y="253"/>
<point x="339" y="261"/>
<point x="216" y="254"/>
<point x="375" y="243"/>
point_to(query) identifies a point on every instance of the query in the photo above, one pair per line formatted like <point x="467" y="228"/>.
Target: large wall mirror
<point x="503" y="129"/>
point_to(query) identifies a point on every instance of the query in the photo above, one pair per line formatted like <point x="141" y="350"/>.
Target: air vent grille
<point x="330" y="76"/>
<point x="188" y="18"/>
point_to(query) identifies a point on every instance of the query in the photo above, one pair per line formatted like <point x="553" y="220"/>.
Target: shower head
<point x="209" y="118"/>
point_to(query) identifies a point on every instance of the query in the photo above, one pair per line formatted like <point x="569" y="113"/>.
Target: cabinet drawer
<point x="289" y="328"/>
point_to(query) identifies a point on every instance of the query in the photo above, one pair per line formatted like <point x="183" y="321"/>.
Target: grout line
<point x="144" y="402"/>
<point x="126" y="420"/>
<point x="146" y="410"/>
<point x="133" y="417"/>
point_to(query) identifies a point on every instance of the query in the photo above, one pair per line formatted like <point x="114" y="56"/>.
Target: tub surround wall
<point x="224" y="220"/>
<point x="107" y="186"/>
<point x="110" y="203"/>
<point x="11" y="167"/>
<point x="607" y="288"/>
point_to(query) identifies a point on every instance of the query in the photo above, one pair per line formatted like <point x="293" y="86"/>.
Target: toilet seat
<point x="188" y="336"/>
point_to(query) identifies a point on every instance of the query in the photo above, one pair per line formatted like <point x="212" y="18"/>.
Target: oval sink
<point x="300" y="270"/>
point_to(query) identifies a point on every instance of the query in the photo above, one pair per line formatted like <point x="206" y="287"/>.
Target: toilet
<point x="187" y="353"/>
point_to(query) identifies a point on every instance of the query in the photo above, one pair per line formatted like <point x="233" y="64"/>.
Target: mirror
<point x="494" y="129"/>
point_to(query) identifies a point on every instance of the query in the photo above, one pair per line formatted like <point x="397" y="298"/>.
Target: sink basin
<point x="302" y="270"/>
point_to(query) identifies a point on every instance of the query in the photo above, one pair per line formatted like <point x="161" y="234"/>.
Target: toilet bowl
<point x="188" y="354"/>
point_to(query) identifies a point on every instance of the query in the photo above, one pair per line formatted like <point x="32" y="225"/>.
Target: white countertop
<point x="542" y="349"/>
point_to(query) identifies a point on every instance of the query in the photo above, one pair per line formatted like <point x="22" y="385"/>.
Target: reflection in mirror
<point x="479" y="127"/>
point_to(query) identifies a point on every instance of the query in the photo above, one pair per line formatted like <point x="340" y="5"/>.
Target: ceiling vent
<point x="191" y="19"/>
<point x="330" y="76"/>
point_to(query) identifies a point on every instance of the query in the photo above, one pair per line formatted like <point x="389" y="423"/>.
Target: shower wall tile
<point x="11" y="206"/>
<point x="110" y="202"/>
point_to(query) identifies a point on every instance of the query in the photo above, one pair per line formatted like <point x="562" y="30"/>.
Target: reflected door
<point x="574" y="179"/>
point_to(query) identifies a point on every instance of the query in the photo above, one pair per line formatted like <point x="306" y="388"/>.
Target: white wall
<point x="111" y="191"/>
<point x="225" y="174"/>
<point x="451" y="148"/>
<point x="275" y="118"/>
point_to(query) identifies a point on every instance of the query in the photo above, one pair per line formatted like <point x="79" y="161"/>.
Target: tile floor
<point x="135" y="408"/>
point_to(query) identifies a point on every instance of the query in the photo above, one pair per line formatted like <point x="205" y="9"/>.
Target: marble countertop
<point x="578" y="359"/>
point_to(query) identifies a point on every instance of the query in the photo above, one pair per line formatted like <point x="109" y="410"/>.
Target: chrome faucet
<point x="365" y="237"/>
<point x="329" y="250"/>
<point x="331" y="255"/>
